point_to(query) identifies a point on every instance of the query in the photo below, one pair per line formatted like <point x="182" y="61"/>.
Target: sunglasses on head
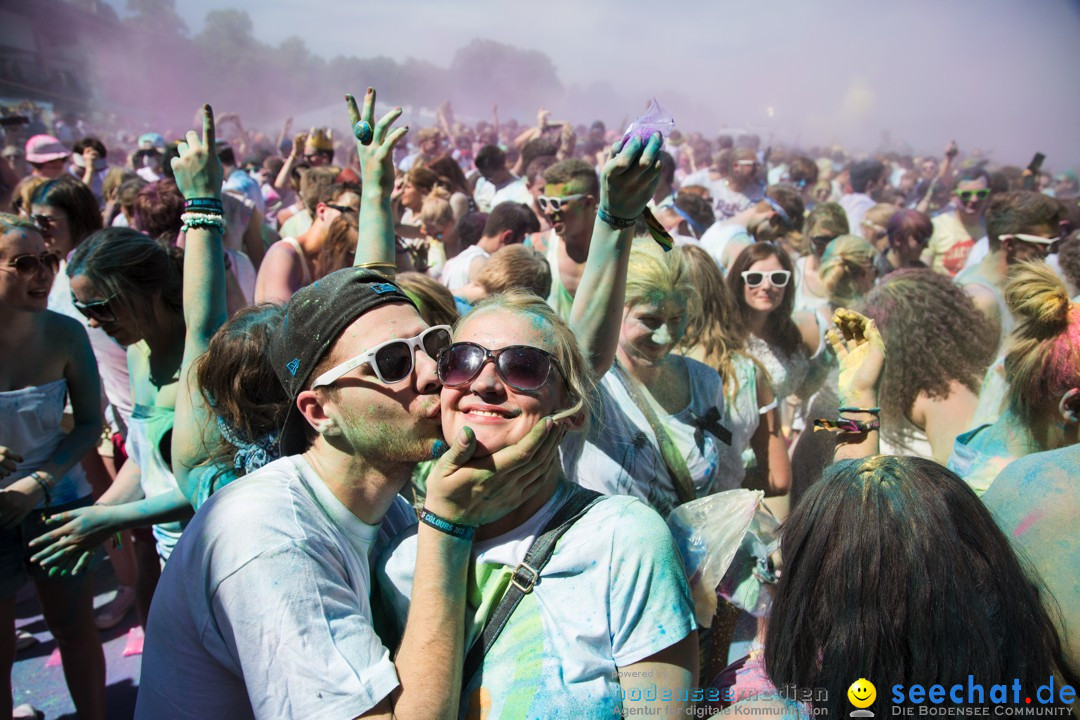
<point x="521" y="367"/>
<point x="777" y="278"/>
<point x="28" y="266"/>
<point x="392" y="360"/>
<point x="555" y="204"/>
<point x="99" y="310"/>
<point x="969" y="195"/>
<point x="1044" y="245"/>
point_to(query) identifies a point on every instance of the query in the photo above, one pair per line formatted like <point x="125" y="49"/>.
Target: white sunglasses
<point x="554" y="204"/>
<point x="777" y="278"/>
<point x="392" y="360"/>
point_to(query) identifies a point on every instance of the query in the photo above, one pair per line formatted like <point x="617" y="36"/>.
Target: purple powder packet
<point x="656" y="119"/>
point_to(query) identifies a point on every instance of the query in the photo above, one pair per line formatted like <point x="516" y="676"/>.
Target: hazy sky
<point x="999" y="74"/>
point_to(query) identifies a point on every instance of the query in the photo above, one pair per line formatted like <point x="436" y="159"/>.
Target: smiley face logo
<point x="862" y="693"/>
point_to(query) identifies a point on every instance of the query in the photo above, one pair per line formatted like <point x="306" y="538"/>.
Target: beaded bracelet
<point x="202" y="220"/>
<point x="465" y="532"/>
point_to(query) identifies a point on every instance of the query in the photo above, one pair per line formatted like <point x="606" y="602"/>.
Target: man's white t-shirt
<point x="455" y="273"/>
<point x="855" y="206"/>
<point x="487" y="196"/>
<point x="719" y="235"/>
<point x="263" y="609"/>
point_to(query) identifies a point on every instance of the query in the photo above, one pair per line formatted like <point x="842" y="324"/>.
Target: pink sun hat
<point x="43" y="148"/>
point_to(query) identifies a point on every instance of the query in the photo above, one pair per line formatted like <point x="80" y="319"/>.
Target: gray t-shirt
<point x="263" y="609"/>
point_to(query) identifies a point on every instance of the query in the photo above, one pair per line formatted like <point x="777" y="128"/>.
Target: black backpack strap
<point x="527" y="573"/>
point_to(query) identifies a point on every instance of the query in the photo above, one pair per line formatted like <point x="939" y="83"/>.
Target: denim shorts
<point x="15" y="565"/>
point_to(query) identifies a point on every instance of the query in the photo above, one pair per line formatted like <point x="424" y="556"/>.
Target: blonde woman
<point x="1042" y="369"/>
<point x="715" y="336"/>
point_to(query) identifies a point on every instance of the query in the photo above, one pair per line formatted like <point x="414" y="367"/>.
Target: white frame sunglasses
<point x="556" y="203"/>
<point x="769" y="274"/>
<point x="368" y="357"/>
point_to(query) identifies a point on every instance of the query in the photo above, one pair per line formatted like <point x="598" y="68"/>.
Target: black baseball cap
<point x="314" y="318"/>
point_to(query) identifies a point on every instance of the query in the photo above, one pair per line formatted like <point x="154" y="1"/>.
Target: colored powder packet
<point x="656" y="119"/>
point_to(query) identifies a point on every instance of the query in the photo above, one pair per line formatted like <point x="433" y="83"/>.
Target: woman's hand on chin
<point x="476" y="491"/>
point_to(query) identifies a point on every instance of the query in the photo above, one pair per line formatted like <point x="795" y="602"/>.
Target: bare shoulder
<point x="61" y="327"/>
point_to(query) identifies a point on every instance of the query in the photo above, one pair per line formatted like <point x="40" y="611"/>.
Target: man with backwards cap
<point x="263" y="608"/>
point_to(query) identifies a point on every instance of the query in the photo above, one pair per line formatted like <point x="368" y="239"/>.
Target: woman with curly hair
<point x="905" y="614"/>
<point x="1042" y="370"/>
<point x="938" y="347"/>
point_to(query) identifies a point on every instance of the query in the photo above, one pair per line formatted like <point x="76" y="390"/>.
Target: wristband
<point x="615" y="222"/>
<point x="869" y="410"/>
<point x="44" y="488"/>
<point x="846" y="425"/>
<point x="203" y="204"/>
<point x="465" y="532"/>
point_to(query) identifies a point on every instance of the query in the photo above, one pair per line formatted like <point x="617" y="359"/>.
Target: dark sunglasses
<point x="343" y="209"/>
<point x="44" y="221"/>
<point x="777" y="278"/>
<point x="968" y="195"/>
<point x="521" y="367"/>
<point x="27" y="266"/>
<point x="99" y="310"/>
<point x="393" y="359"/>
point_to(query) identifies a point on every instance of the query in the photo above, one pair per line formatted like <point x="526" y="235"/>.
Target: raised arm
<point x="627" y="183"/>
<point x="281" y="182"/>
<point x="285" y="130"/>
<point x="198" y="175"/>
<point x="376" y="244"/>
<point x="860" y="351"/>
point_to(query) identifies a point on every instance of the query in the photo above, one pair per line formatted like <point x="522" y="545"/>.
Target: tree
<point x="485" y="70"/>
<point x="156" y="16"/>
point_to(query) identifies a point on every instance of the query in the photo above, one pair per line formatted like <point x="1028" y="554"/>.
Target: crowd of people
<point x="393" y="427"/>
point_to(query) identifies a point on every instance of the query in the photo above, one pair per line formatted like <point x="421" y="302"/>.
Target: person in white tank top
<point x="45" y="358"/>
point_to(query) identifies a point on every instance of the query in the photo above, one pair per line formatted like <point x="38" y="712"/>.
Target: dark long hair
<point x="894" y="571"/>
<point x="132" y="266"/>
<point x="76" y="200"/>
<point x="781" y="327"/>
<point x="446" y="167"/>
<point x="238" y="382"/>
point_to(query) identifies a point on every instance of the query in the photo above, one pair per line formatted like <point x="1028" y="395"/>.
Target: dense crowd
<point x="405" y="427"/>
